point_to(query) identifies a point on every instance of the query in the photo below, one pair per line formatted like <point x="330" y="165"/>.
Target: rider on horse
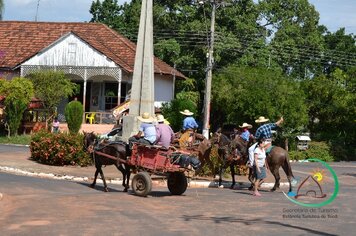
<point x="265" y="130"/>
<point x="189" y="126"/>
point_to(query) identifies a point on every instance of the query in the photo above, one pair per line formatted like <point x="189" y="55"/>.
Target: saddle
<point x="268" y="151"/>
<point x="105" y="142"/>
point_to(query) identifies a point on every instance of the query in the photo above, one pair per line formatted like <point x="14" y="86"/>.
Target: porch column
<point x="84" y="92"/>
<point x="119" y="79"/>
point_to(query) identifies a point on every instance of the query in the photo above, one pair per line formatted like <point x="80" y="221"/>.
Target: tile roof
<point x="20" y="40"/>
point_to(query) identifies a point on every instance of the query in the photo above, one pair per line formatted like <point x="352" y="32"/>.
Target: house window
<point x="110" y="95"/>
<point x="72" y="49"/>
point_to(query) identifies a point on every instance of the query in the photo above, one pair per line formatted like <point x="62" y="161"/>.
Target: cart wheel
<point x="177" y="183"/>
<point x="142" y="184"/>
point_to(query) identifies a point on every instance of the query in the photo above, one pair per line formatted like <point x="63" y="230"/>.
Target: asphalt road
<point x="34" y="206"/>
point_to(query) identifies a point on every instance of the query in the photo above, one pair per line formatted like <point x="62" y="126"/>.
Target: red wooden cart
<point x="157" y="160"/>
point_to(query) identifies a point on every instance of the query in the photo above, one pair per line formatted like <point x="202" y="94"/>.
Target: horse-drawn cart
<point x="145" y="160"/>
<point x="159" y="161"/>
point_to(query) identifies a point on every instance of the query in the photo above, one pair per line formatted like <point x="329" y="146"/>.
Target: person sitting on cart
<point x="189" y="126"/>
<point x="147" y="131"/>
<point x="164" y="133"/>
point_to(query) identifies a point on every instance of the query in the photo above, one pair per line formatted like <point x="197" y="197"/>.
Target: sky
<point x="334" y="14"/>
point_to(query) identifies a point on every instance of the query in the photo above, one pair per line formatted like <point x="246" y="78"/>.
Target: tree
<point x="18" y="93"/>
<point x="340" y="50"/>
<point x="332" y="111"/>
<point x="296" y="38"/>
<point x="171" y="112"/>
<point x="74" y="113"/>
<point x="105" y="11"/>
<point x="242" y="94"/>
<point x="51" y="87"/>
<point x="270" y="33"/>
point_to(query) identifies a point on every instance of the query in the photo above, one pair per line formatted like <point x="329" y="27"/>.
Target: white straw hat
<point x="160" y="118"/>
<point x="261" y="119"/>
<point x="186" y="112"/>
<point x="145" y="117"/>
<point x="245" y="125"/>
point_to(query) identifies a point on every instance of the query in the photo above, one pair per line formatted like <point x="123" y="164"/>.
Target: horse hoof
<point x="250" y="188"/>
<point x="232" y="186"/>
<point x="106" y="190"/>
<point x="91" y="186"/>
<point x="125" y="190"/>
<point x="221" y="186"/>
<point x="273" y="189"/>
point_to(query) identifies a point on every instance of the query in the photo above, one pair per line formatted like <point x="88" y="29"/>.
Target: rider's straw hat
<point x="186" y="112"/>
<point x="245" y="125"/>
<point x="145" y="117"/>
<point x="261" y="119"/>
<point x="160" y="118"/>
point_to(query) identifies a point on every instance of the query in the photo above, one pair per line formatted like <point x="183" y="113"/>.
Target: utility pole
<point x="38" y="4"/>
<point x="209" y="73"/>
<point x="209" y="70"/>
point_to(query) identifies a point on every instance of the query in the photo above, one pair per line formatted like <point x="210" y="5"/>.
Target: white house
<point x="96" y="57"/>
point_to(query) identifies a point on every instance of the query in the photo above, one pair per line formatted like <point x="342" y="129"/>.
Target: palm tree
<point x="1" y="8"/>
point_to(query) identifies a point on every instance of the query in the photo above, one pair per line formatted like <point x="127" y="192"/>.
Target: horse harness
<point x="97" y="147"/>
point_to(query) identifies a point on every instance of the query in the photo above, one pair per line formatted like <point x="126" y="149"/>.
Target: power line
<point x="191" y="39"/>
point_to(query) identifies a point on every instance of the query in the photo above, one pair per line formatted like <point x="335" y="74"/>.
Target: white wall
<point x="70" y="50"/>
<point x="163" y="88"/>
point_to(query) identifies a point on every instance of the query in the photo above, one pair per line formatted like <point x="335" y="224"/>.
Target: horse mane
<point x="224" y="140"/>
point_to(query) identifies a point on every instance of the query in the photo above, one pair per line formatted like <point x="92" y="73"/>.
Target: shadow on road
<point x="219" y="220"/>
<point x="99" y="187"/>
<point x="350" y="174"/>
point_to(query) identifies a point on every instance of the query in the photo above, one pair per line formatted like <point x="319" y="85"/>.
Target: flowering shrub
<point x="58" y="149"/>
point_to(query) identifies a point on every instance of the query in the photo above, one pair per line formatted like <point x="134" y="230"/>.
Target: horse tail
<point x="287" y="167"/>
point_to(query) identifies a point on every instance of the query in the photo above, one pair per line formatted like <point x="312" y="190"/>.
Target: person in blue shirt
<point x="147" y="131"/>
<point x="189" y="126"/>
<point x="245" y="133"/>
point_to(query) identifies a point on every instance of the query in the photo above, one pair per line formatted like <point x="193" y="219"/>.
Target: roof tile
<point x="20" y="40"/>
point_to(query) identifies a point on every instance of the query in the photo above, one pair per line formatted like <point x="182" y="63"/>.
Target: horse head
<point x="220" y="139"/>
<point x="90" y="140"/>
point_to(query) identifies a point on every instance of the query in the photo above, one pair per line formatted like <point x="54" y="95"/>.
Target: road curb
<point x="157" y="181"/>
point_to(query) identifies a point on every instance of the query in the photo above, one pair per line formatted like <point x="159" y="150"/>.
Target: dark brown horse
<point x="107" y="154"/>
<point x="276" y="158"/>
<point x="231" y="153"/>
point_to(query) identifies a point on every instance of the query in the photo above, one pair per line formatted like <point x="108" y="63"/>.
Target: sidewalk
<point x="17" y="161"/>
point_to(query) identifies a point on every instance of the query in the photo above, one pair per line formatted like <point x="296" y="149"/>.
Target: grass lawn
<point x="19" y="139"/>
